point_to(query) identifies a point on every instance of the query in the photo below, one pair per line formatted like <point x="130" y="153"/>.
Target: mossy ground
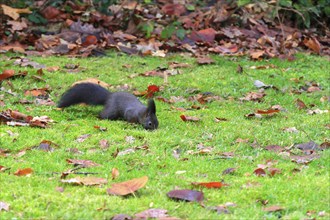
<point x="298" y="193"/>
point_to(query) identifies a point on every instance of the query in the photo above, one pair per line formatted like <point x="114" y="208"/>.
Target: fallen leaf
<point x="152" y="213"/>
<point x="83" y="163"/>
<point x="205" y="35"/>
<point x="128" y="187"/>
<point x="186" y="195"/>
<point x="316" y="111"/>
<point x="228" y="171"/>
<point x="86" y="181"/>
<point x="174" y="9"/>
<point x="291" y="130"/>
<point x="24" y="172"/>
<point x="304" y="159"/>
<point x="37" y="92"/>
<point x="189" y="118"/>
<point x="272" y="171"/>
<point x="274" y="148"/>
<point x="253" y="96"/>
<point x="15" y="12"/>
<point x="122" y="217"/>
<point x="82" y="138"/>
<point x="307" y="146"/>
<point x="259" y="172"/>
<point x="274" y="208"/>
<point x="114" y="173"/>
<point x="313" y="44"/>
<point x="4" y="206"/>
<point x="210" y="185"/>
<point x="204" y="60"/>
<point x="300" y="104"/>
<point x="7" y="74"/>
<point x="104" y="144"/>
<point x="59" y="189"/>
<point x="46" y="145"/>
<point x="267" y="112"/>
<point x="257" y="54"/>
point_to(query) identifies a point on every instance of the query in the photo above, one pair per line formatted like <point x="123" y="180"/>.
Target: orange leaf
<point x="7" y="74"/>
<point x="209" y="185"/>
<point x="313" y="44"/>
<point x="189" y="118"/>
<point x="128" y="187"/>
<point x="24" y="172"/>
<point x="267" y="112"/>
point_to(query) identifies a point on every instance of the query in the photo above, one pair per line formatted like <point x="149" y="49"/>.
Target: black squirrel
<point x="117" y="105"/>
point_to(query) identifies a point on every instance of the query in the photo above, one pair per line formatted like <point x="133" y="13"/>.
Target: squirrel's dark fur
<point x="117" y="105"/>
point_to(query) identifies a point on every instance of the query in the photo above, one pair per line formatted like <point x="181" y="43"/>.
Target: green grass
<point x="298" y="193"/>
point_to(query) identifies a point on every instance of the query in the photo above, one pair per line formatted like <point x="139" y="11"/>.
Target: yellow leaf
<point x="14" y="12"/>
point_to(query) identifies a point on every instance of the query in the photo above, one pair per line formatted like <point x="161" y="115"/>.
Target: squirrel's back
<point x="88" y="93"/>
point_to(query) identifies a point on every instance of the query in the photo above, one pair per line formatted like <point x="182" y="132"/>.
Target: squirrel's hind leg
<point x="108" y="113"/>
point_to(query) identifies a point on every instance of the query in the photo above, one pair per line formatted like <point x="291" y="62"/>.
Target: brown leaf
<point x="104" y="144"/>
<point x="174" y="9"/>
<point x="267" y="112"/>
<point x="86" y="181"/>
<point x="273" y="208"/>
<point x="7" y="74"/>
<point x="114" y="173"/>
<point x="272" y="171"/>
<point x="274" y="148"/>
<point x="128" y="187"/>
<point x="204" y="60"/>
<point x="228" y="171"/>
<point x="210" y="185"/>
<point x="218" y="119"/>
<point x="253" y="96"/>
<point x="186" y="195"/>
<point x="256" y="55"/>
<point x="152" y="213"/>
<point x="313" y="44"/>
<point x="189" y="118"/>
<point x="300" y="104"/>
<point x="205" y="35"/>
<point x="304" y="159"/>
<point x="24" y="172"/>
<point x="82" y="138"/>
<point x="36" y="92"/>
<point x="83" y="163"/>
<point x="259" y="172"/>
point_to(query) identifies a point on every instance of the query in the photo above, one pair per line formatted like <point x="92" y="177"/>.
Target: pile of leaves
<point x="221" y="27"/>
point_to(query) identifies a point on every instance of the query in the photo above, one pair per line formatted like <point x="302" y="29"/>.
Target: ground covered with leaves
<point x="236" y="139"/>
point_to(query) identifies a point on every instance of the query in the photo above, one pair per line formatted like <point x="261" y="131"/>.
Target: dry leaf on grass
<point x="186" y="195"/>
<point x="83" y="163"/>
<point x="4" y="206"/>
<point x="127" y="187"/>
<point x="24" y="172"/>
<point x="86" y="181"/>
<point x="209" y="185"/>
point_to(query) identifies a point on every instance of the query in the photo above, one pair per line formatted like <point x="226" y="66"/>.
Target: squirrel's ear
<point x="151" y="107"/>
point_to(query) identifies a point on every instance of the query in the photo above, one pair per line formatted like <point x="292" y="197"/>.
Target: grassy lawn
<point x="302" y="190"/>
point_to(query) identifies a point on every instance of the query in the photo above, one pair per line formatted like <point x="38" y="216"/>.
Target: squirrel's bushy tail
<point x="89" y="93"/>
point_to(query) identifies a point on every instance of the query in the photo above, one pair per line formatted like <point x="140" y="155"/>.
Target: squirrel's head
<point x="151" y="121"/>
